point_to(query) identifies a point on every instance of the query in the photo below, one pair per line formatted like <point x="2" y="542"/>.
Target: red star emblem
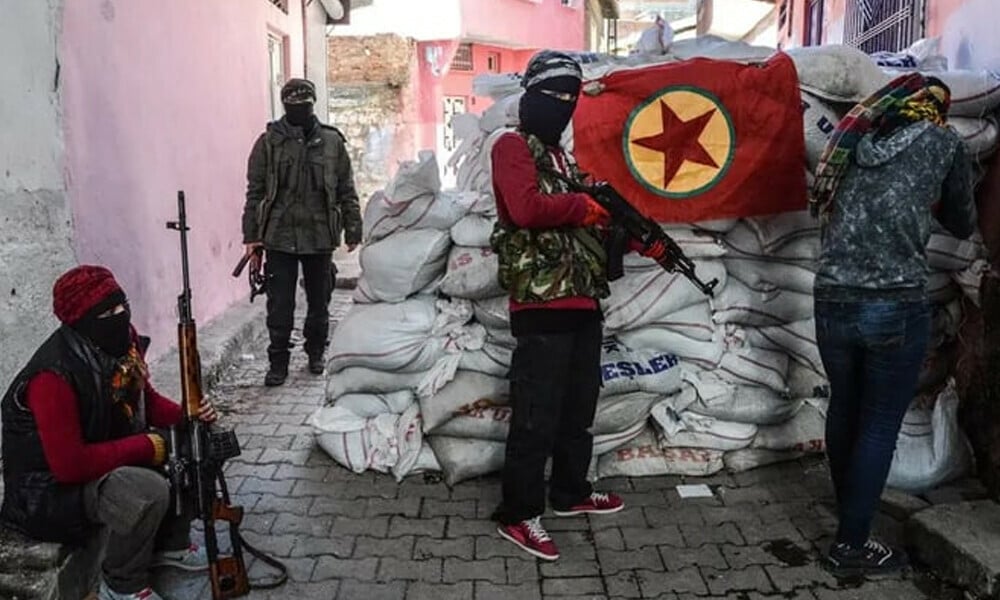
<point x="679" y="141"/>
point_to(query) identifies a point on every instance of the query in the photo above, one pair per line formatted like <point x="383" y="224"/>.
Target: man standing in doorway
<point x="300" y="199"/>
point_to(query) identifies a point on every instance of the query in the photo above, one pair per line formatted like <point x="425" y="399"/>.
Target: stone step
<point x="961" y="543"/>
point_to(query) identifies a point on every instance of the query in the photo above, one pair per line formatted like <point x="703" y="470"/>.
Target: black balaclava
<point x="298" y="97"/>
<point x="112" y="334"/>
<point x="552" y="85"/>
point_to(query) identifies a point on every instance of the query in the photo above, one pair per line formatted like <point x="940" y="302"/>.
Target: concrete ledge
<point x="960" y="543"/>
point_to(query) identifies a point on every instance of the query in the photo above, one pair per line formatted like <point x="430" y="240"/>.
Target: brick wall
<point x="371" y="89"/>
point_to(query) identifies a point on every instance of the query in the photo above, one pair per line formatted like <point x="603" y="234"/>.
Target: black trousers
<point x="554" y="383"/>
<point x="282" y="271"/>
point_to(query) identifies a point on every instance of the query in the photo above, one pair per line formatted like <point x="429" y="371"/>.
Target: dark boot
<point x="276" y="374"/>
<point x="317" y="364"/>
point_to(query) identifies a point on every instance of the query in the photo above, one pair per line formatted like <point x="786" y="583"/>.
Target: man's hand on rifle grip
<point x="596" y="214"/>
<point x="656" y="250"/>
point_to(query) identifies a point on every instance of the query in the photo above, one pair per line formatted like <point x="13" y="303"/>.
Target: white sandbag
<point x="709" y="395"/>
<point x="718" y="226"/>
<point x="743" y="241"/>
<point x="973" y="93"/>
<point x="625" y="370"/>
<point x="694" y="322"/>
<point x="401" y="265"/>
<point x="762" y="274"/>
<point x="948" y="253"/>
<point x="503" y="113"/>
<point x="805" y="432"/>
<point x="385" y="216"/>
<point x="621" y="413"/>
<point x="737" y="303"/>
<point x="797" y="339"/>
<point x="472" y="273"/>
<point x="941" y="289"/>
<point x="493" y="358"/>
<point x="693" y="353"/>
<point x="739" y="461"/>
<point x="463" y="391"/>
<point x="837" y="73"/>
<point x="386" y="443"/>
<point x="755" y="366"/>
<point x="358" y="380"/>
<point x="691" y="430"/>
<point x="804" y="382"/>
<point x="931" y="448"/>
<point x="606" y="442"/>
<point x="501" y="337"/>
<point x="473" y="230"/>
<point x="375" y="404"/>
<point x="774" y="231"/>
<point x="819" y="119"/>
<point x="482" y="420"/>
<point x="415" y="178"/>
<point x="641" y="297"/>
<point x="643" y="456"/>
<point x="656" y="39"/>
<point x="979" y="135"/>
<point x="465" y="458"/>
<point x="719" y="48"/>
<point x="970" y="279"/>
<point x="406" y="336"/>
<point x="493" y="313"/>
<point x="496" y="85"/>
<point x="695" y="244"/>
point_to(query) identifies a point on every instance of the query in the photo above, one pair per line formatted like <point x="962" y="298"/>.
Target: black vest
<point x="34" y="502"/>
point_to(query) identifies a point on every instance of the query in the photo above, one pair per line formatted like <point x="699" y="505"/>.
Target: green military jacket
<point x="300" y="191"/>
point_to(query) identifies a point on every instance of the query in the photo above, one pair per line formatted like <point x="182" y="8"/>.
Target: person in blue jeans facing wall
<point x="892" y="166"/>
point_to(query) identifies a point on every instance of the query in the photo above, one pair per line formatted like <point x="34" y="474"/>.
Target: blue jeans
<point x="872" y="352"/>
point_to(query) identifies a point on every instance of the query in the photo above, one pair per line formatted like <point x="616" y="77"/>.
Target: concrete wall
<point x="35" y="226"/>
<point x="158" y="99"/>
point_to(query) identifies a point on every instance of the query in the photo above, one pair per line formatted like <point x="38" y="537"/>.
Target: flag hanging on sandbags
<point x="698" y="139"/>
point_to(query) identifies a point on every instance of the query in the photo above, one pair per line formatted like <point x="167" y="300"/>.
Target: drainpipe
<point x="305" y="40"/>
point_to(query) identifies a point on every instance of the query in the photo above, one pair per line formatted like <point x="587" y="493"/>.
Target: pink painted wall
<point x="158" y="99"/>
<point x="968" y="32"/>
<point x="526" y="23"/>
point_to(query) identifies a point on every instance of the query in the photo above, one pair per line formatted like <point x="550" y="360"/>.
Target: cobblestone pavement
<point x="366" y="537"/>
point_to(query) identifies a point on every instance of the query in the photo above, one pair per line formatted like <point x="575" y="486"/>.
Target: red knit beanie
<point x="81" y="289"/>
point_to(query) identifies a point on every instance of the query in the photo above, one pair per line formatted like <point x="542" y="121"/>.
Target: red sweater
<point x="520" y="202"/>
<point x="72" y="460"/>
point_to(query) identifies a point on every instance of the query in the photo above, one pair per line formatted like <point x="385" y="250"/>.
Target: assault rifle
<point x="627" y="222"/>
<point x="198" y="451"/>
<point x="254" y="276"/>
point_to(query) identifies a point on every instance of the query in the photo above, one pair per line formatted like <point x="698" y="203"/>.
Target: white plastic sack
<point x="691" y="430"/>
<point x="803" y="382"/>
<point x="707" y="394"/>
<point x="465" y="458"/>
<point x="643" y="456"/>
<point x="503" y="113"/>
<point x="941" y="289"/>
<point x="755" y="366"/>
<point x="481" y="420"/>
<point x="473" y="230"/>
<point x="360" y="380"/>
<point x="656" y="39"/>
<point x="641" y="297"/>
<point x="401" y="265"/>
<point x="496" y="85"/>
<point x="774" y="231"/>
<point x="737" y="303"/>
<point x="621" y="413"/>
<point x="931" y="448"/>
<point x="472" y="273"/>
<point x="604" y="443"/>
<point x="386" y="443"/>
<point x="973" y="93"/>
<point x="837" y="73"/>
<point x="693" y="353"/>
<point x="695" y="244"/>
<point x="948" y="253"/>
<point x="375" y="404"/>
<point x="797" y="339"/>
<point x="979" y="135"/>
<point x="805" y="432"/>
<point x="819" y="119"/>
<point x="464" y="391"/>
<point x="385" y="216"/>
<point x="746" y="459"/>
<point x="694" y="322"/>
<point x="625" y="370"/>
<point x="493" y="358"/>
<point x="763" y="274"/>
<point x="415" y="178"/>
<point x="719" y="48"/>
<point x="493" y="313"/>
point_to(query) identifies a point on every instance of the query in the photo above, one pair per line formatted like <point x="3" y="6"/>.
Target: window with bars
<point x="463" y="58"/>
<point x="281" y="4"/>
<point x="814" y="23"/>
<point x="884" y="25"/>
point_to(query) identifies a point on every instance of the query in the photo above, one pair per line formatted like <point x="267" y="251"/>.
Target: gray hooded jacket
<point x="874" y="245"/>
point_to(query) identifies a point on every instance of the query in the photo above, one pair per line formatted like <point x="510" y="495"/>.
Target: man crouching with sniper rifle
<point x="553" y="264"/>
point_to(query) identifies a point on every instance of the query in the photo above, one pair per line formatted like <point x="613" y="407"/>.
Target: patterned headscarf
<point x="904" y="100"/>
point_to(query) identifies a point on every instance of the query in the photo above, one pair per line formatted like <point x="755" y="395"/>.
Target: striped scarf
<point x="904" y="100"/>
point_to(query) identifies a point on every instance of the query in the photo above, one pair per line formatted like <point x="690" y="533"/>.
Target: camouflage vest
<point x="539" y="265"/>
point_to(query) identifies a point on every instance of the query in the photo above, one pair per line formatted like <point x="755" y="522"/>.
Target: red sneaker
<point x="531" y="537"/>
<point x="595" y="504"/>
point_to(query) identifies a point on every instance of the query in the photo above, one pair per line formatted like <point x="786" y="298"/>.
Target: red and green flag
<point x="699" y="139"/>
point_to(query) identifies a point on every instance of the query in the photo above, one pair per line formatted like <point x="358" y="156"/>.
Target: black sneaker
<point x="275" y="376"/>
<point x="873" y="558"/>
<point x="317" y="365"/>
